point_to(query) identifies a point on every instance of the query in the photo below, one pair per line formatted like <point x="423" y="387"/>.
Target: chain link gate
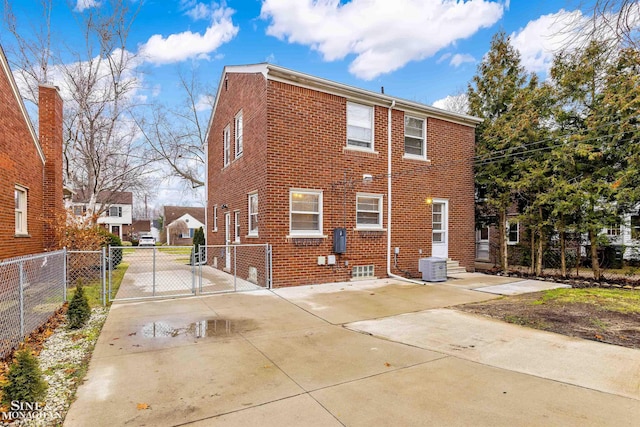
<point x="234" y="268"/>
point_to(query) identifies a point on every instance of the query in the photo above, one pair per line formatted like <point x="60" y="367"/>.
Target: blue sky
<point x="423" y="50"/>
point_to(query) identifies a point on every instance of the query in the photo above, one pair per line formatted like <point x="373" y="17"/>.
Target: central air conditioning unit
<point x="433" y="269"/>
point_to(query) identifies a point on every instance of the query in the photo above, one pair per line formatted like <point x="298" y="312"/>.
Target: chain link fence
<point x="32" y="288"/>
<point x="153" y="272"/>
<point x="617" y="264"/>
<point x="88" y="267"/>
<point x="232" y="268"/>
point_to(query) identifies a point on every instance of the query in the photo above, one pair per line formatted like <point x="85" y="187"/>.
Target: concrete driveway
<point x="377" y="353"/>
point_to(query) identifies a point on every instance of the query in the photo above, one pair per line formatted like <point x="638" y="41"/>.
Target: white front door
<point x="440" y="228"/>
<point x="227" y="241"/>
<point x="482" y="243"/>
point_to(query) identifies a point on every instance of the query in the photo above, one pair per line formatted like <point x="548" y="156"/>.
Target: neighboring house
<point x="31" y="195"/>
<point x="180" y="224"/>
<point x="116" y="208"/>
<point x="295" y="159"/>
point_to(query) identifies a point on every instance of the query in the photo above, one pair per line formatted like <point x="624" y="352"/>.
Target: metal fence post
<point x="154" y="272"/>
<point x="110" y="272"/>
<point x="21" y="299"/>
<point x="200" y="251"/>
<point x="270" y="248"/>
<point x="65" y="254"/>
<point x="103" y="276"/>
<point x="235" y="270"/>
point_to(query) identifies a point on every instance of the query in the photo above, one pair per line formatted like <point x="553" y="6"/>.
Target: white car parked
<point x="147" y="241"/>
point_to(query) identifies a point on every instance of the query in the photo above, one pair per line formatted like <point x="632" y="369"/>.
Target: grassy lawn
<point x="93" y="289"/>
<point x="618" y="300"/>
<point x="176" y="250"/>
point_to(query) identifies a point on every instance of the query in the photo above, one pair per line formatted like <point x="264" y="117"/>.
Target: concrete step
<point x="453" y="267"/>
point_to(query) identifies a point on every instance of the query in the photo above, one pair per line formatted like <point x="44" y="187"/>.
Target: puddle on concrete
<point x="207" y="328"/>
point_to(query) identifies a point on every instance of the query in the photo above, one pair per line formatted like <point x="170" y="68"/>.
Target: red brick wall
<point x="20" y="164"/>
<point x="230" y="185"/>
<point x="305" y="148"/>
<point x="50" y="122"/>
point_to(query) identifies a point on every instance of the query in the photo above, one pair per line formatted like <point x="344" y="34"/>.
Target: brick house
<point x="294" y="159"/>
<point x="180" y="222"/>
<point x="30" y="168"/>
<point x="115" y="207"/>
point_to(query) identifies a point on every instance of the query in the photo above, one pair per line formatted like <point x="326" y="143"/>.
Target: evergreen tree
<point x="198" y="239"/>
<point x="496" y="95"/>
<point x="79" y="311"/>
<point x="24" y="380"/>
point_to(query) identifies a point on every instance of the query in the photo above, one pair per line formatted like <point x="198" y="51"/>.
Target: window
<point x="215" y="217"/>
<point x="188" y="234"/>
<point x="306" y="212"/>
<point x="253" y="214"/>
<point x="613" y="230"/>
<point x="359" y="126"/>
<point x="79" y="210"/>
<point x="513" y="232"/>
<point x="226" y="142"/>
<point x="368" y="211"/>
<point x="635" y="227"/>
<point x="20" y="194"/>
<point x="414" y="137"/>
<point x="362" y="272"/>
<point x="238" y="126"/>
<point x="115" y="211"/>
<point x="237" y="224"/>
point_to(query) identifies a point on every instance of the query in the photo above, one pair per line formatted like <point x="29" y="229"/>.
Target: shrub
<point x="198" y="239"/>
<point x="79" y="311"/>
<point x="116" y="253"/>
<point x="24" y="379"/>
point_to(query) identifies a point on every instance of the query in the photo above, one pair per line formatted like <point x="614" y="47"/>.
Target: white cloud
<point x="205" y="102"/>
<point x="383" y="35"/>
<point x="198" y="11"/>
<point x="443" y="58"/>
<point x="540" y="39"/>
<point x="459" y="59"/>
<point x="81" y="5"/>
<point x="456" y="103"/>
<point x="189" y="45"/>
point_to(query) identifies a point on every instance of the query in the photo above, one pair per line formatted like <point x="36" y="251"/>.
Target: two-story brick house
<point x="30" y="168"/>
<point x="294" y="159"/>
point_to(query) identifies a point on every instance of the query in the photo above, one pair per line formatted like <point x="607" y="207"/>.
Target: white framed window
<point x="79" y="210"/>
<point x="236" y="223"/>
<point x="20" y="194"/>
<point x="415" y="137"/>
<point x="305" y="212"/>
<point x="215" y="217"/>
<point x="115" y="211"/>
<point x="253" y="214"/>
<point x="368" y="211"/>
<point x="635" y="227"/>
<point x="238" y="135"/>
<point x="613" y="230"/>
<point x="513" y="232"/>
<point x="226" y="145"/>
<point x="359" y="126"/>
<point x="188" y="234"/>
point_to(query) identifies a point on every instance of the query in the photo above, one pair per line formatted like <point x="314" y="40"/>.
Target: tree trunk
<point x="532" y="250"/>
<point x="563" y="258"/>
<point x="595" y="264"/>
<point x="539" y="260"/>
<point x="502" y="230"/>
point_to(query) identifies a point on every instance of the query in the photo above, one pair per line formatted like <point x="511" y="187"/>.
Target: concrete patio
<point x="358" y="354"/>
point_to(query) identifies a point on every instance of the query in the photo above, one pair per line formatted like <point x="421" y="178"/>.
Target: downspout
<point x="389" y="152"/>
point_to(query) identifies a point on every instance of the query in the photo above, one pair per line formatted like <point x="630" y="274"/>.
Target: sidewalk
<point x="284" y="358"/>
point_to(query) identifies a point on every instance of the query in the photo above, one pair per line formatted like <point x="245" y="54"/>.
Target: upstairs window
<point x="226" y="145"/>
<point x="20" y="194"/>
<point x="513" y="233"/>
<point x="238" y="126"/>
<point x="414" y="137"/>
<point x="115" y="211"/>
<point x="359" y="126"/>
<point x="635" y="227"/>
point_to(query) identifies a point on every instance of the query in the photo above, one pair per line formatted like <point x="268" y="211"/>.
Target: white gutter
<point x="389" y="151"/>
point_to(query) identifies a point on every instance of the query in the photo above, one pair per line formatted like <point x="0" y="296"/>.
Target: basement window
<point x="363" y="272"/>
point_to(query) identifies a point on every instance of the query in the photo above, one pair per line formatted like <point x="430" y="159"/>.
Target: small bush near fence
<point x="79" y="311"/>
<point x="24" y="380"/>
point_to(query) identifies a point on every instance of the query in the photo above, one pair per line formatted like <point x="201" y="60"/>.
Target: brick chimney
<point x="50" y="122"/>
